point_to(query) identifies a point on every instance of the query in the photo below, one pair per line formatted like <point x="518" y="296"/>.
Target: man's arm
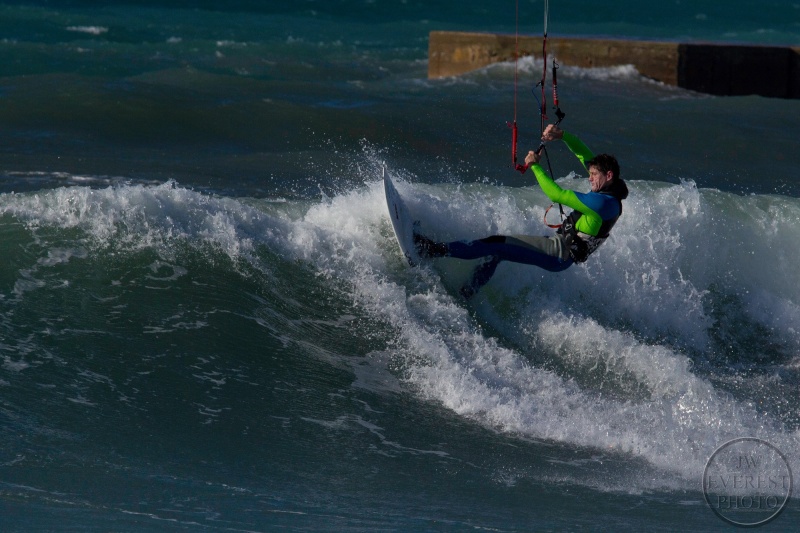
<point x="591" y="219"/>
<point x="550" y="187"/>
<point x="575" y="145"/>
<point x="553" y="190"/>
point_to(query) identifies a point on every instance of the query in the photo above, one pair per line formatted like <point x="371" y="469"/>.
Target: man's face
<point x="598" y="179"/>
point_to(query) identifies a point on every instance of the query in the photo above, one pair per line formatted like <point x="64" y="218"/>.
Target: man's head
<point x="603" y="168"/>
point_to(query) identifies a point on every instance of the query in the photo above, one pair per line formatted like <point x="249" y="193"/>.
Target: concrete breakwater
<point x="714" y="68"/>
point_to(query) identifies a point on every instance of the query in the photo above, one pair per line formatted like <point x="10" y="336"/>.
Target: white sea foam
<point x="597" y="356"/>
<point x="532" y="65"/>
<point x="91" y="30"/>
<point x="648" y="282"/>
<point x="138" y="217"/>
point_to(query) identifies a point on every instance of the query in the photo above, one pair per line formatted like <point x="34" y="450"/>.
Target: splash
<point x="630" y="354"/>
<point x="607" y="355"/>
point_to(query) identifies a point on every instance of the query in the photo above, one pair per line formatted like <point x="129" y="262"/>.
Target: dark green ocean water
<point x="205" y="324"/>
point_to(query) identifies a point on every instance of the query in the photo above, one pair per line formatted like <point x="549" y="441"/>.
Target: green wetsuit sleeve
<point x="576" y="146"/>
<point x="590" y="222"/>
<point x="551" y="188"/>
<point x="555" y="192"/>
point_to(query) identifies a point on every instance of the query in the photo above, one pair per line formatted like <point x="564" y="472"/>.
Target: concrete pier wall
<point x="713" y="68"/>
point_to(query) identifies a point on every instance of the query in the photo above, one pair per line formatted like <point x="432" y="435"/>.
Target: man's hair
<point x="604" y="163"/>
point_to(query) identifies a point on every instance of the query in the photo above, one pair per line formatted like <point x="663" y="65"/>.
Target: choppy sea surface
<point x="206" y="325"/>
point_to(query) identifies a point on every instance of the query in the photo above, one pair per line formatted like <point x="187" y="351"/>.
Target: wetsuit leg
<point x="480" y="276"/>
<point x="548" y="253"/>
<point x="543" y="252"/>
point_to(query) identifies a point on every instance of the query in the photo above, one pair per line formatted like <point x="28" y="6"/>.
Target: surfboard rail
<point x="402" y="223"/>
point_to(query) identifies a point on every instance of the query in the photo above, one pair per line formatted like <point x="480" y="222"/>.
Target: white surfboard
<point x="401" y="220"/>
<point x="455" y="272"/>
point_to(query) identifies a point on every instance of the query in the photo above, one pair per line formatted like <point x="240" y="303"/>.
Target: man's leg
<point x="548" y="253"/>
<point x="480" y="277"/>
<point x="545" y="252"/>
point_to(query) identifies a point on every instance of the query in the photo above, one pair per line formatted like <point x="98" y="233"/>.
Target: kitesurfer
<point x="582" y="232"/>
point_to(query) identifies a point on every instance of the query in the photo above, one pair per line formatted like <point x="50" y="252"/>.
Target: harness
<point x="582" y="245"/>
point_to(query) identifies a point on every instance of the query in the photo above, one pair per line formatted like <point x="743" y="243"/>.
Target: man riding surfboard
<point x="584" y="230"/>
